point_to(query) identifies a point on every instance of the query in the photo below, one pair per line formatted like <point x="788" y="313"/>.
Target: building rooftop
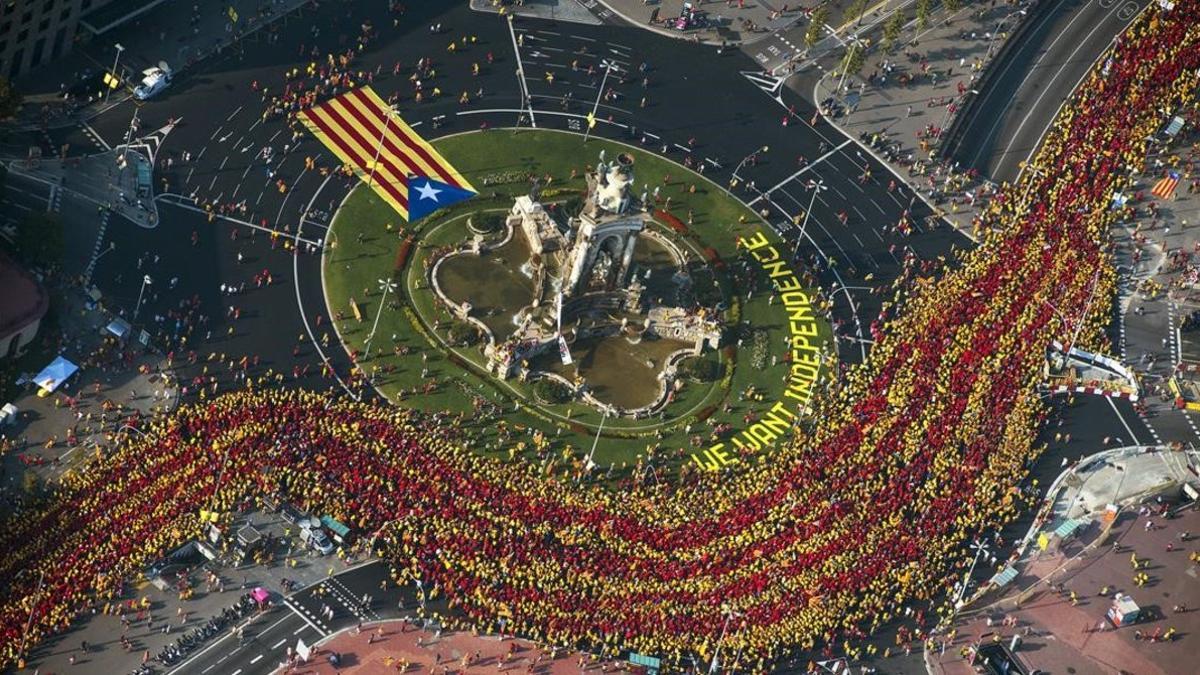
<point x="23" y="300"/>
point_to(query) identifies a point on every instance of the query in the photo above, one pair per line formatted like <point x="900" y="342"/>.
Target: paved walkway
<point x="739" y="21"/>
<point x="1037" y="603"/>
<point x="398" y="647"/>
<point x="114" y="386"/>
<point x="1062" y="624"/>
<point x="900" y="102"/>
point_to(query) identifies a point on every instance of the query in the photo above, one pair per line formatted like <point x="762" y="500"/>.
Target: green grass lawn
<point x="366" y="234"/>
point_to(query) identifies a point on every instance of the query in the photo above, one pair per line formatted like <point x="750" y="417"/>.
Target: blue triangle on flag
<point x="426" y="195"/>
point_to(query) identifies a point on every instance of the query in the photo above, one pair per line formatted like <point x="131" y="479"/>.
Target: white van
<point x="316" y="539"/>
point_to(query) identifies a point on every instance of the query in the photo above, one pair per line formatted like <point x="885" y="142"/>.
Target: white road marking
<point x="1017" y="132"/>
<point x="96" y="135"/>
<point x="807" y="167"/>
<point x="235" y="112"/>
<point x="301" y="614"/>
<point x="238" y="221"/>
<point x="1123" y="422"/>
<point x="277" y="645"/>
<point x="256" y="659"/>
<point x="541" y="112"/>
<point x="521" y="72"/>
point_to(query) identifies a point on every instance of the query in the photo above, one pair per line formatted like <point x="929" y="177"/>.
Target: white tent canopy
<point x="53" y="375"/>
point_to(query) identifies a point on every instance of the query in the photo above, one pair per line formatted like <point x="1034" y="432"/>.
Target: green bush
<point x="700" y="369"/>
<point x="463" y="334"/>
<point x="551" y="391"/>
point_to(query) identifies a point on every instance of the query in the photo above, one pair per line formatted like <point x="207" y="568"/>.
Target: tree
<point x="892" y="30"/>
<point x="816" y="26"/>
<point x="854" y="60"/>
<point x="10" y="99"/>
<point x="924" y="7"/>
<point x="40" y="238"/>
<point x="858" y="9"/>
<point x="952" y="6"/>
<point x="31" y="485"/>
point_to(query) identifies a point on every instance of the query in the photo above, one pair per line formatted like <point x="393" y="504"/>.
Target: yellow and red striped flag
<point x="358" y="126"/>
<point x="1166" y="187"/>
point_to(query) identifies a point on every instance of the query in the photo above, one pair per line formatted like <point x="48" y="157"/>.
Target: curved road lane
<point x="1007" y="121"/>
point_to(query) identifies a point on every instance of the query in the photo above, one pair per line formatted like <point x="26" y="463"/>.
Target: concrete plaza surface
<point x="401" y="647"/>
<point x="1060" y="587"/>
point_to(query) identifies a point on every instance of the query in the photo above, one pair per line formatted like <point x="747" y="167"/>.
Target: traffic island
<point x="596" y="308"/>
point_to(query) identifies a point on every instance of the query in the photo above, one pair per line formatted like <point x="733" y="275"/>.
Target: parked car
<point x="292" y="514"/>
<point x="316" y="539"/>
<point x="154" y="80"/>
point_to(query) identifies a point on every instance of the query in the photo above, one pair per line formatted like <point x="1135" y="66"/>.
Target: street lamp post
<point x="845" y="64"/>
<point x="729" y="614"/>
<point x="817" y="187"/>
<point x="87" y="272"/>
<point x="108" y="89"/>
<point x="764" y="149"/>
<point x="607" y="66"/>
<point x="980" y="548"/>
<point x="385" y="285"/>
<point x="596" y="441"/>
<point x="146" y="281"/>
<point x="29" y="622"/>
<point x="391" y="110"/>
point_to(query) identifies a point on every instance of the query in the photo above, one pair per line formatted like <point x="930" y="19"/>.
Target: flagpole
<point x="607" y="66"/>
<point x="387" y="120"/>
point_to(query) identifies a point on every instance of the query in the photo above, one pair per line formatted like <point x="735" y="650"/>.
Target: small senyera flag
<point x="1166" y="187"/>
<point x="363" y="131"/>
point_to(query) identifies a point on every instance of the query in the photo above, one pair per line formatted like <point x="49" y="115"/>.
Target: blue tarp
<point x="53" y="375"/>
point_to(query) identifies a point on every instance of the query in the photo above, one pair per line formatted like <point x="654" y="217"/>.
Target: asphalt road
<point x="1004" y="124"/>
<point x="220" y="125"/>
<point x="300" y="617"/>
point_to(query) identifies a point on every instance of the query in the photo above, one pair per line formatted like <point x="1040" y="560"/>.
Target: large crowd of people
<point x="919" y="450"/>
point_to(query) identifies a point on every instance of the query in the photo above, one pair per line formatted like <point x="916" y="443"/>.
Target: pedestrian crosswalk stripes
<point x="767" y="83"/>
<point x="383" y="150"/>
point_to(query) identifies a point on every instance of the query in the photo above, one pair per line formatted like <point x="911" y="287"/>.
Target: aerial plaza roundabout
<point x="663" y="326"/>
<point x="861" y="509"/>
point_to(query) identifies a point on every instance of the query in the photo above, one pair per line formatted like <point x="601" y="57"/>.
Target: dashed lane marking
<point x="308" y="616"/>
<point x="95" y="136"/>
<point x="807" y="167"/>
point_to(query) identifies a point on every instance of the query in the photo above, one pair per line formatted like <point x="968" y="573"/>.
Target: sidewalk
<point x="571" y="11"/>
<point x="907" y="98"/>
<point x="161" y="34"/>
<point x="116" y="385"/>
<point x="739" y="21"/>
<point x="1061" y="625"/>
<point x="119" y="180"/>
<point x="395" y="647"/>
<point x="1070" y="547"/>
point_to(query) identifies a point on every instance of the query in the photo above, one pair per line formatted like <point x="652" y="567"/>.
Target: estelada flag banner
<point x="1166" y="187"/>
<point x="358" y="126"/>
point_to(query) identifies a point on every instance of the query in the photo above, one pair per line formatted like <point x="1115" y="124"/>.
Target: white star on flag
<point x="427" y="191"/>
